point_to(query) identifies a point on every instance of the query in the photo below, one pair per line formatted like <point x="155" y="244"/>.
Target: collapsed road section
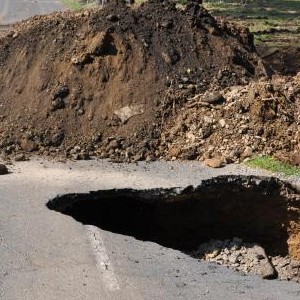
<point x="258" y="210"/>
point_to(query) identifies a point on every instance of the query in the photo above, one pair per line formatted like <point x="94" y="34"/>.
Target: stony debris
<point x="249" y="258"/>
<point x="287" y="268"/>
<point x="262" y="117"/>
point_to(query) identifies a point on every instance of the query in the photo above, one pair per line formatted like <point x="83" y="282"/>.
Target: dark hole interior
<point x="250" y="208"/>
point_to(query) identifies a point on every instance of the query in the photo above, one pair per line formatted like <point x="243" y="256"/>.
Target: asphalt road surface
<point x="16" y="10"/>
<point x="45" y="255"/>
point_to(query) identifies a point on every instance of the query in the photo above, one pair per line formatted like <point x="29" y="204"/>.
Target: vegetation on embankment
<point x="273" y="165"/>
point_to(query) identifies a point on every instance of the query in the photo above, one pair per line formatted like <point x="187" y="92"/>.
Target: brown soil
<point x="116" y="82"/>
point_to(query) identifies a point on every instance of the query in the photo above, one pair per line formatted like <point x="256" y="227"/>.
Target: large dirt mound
<point x="98" y="82"/>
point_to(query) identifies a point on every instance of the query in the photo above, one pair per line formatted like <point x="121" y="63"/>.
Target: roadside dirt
<point x="129" y="84"/>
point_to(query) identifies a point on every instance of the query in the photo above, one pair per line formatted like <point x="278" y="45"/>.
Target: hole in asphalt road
<point x="256" y="209"/>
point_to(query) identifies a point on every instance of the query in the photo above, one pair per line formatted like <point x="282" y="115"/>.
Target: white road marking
<point x="102" y="259"/>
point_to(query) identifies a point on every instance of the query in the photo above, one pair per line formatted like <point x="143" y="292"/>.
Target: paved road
<point x="16" y="10"/>
<point x="49" y="256"/>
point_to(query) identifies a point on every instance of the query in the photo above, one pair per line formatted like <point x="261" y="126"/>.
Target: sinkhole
<point x="263" y="210"/>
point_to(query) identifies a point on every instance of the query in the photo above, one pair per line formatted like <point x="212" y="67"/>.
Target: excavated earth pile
<point x="262" y="117"/>
<point x="106" y="82"/>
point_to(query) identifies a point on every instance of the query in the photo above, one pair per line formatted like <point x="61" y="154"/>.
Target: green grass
<point x="73" y="4"/>
<point x="271" y="164"/>
<point x="282" y="9"/>
<point x="261" y="15"/>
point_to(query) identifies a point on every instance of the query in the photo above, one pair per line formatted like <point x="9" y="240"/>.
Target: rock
<point x="3" y="169"/>
<point x="97" y="46"/>
<point x="57" y="138"/>
<point x="58" y="103"/>
<point x="76" y="156"/>
<point x="295" y="159"/>
<point x="235" y="153"/>
<point x="216" y="162"/>
<point x="126" y="112"/>
<point x="247" y="152"/>
<point x="189" y="154"/>
<point x="213" y="254"/>
<point x="29" y="145"/>
<point x="175" y="151"/>
<point x="222" y="123"/>
<point x="190" y="137"/>
<point x="206" y="131"/>
<point x="112" y="18"/>
<point x="185" y="79"/>
<point x="171" y="58"/>
<point x="150" y="158"/>
<point x="252" y="95"/>
<point x="61" y="92"/>
<point x="167" y="24"/>
<point x="81" y="59"/>
<point x="20" y="157"/>
<point x="84" y="155"/>
<point x="80" y="111"/>
<point x="114" y="144"/>
<point x="137" y="157"/>
<point x="77" y="149"/>
<point x="213" y="98"/>
<point x="208" y="120"/>
<point x="243" y="129"/>
<point x="233" y="258"/>
<point x="262" y="266"/>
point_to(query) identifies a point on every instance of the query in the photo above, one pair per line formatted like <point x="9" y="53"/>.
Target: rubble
<point x="261" y="118"/>
<point x="249" y="258"/>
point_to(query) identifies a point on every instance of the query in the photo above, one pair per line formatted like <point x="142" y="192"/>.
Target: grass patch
<point x="73" y="4"/>
<point x="262" y="15"/>
<point x="271" y="164"/>
<point x="282" y="9"/>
